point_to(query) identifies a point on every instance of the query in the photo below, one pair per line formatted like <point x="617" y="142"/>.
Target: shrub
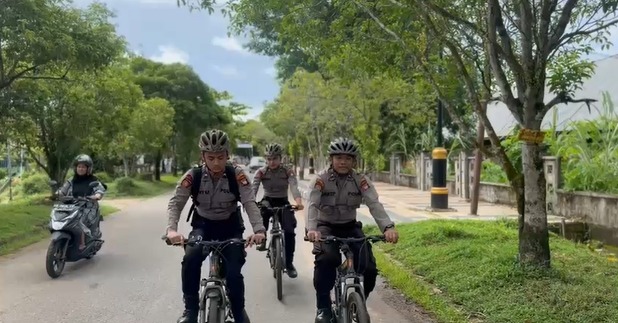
<point x="125" y="185"/>
<point x="3" y="173"/>
<point x="35" y="183"/>
<point x="148" y="177"/>
<point x="104" y="177"/>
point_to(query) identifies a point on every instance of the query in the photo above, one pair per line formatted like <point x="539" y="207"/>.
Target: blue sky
<point x="160" y="30"/>
<point x="164" y="32"/>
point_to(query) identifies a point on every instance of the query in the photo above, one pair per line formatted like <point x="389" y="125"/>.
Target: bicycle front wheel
<point x="215" y="313"/>
<point x="278" y="268"/>
<point x="356" y="309"/>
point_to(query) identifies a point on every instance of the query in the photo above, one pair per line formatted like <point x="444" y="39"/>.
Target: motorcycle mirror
<point x="53" y="183"/>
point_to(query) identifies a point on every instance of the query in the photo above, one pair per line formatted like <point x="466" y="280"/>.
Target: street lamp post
<point x="439" y="191"/>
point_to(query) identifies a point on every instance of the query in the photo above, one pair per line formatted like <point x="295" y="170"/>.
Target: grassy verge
<point x="466" y="271"/>
<point x="138" y="188"/>
<point x="24" y="223"/>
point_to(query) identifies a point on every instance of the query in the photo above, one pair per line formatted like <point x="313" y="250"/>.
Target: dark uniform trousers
<point x="233" y="256"/>
<point x="288" y="224"/>
<point x="328" y="258"/>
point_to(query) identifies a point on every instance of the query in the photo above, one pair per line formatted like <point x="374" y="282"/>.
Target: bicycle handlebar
<point x="292" y="207"/>
<point x="375" y="238"/>
<point x="206" y="243"/>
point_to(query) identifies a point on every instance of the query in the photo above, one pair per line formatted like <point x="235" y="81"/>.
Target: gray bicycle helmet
<point x="83" y="159"/>
<point x="343" y="146"/>
<point x="214" y="141"/>
<point x="273" y="150"/>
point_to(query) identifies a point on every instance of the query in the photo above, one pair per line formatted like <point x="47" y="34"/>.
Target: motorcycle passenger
<point x="79" y="186"/>
<point x="336" y="194"/>
<point x="216" y="217"/>
<point x="276" y="179"/>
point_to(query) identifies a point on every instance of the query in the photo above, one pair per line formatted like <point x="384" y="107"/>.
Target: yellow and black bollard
<point x="439" y="191"/>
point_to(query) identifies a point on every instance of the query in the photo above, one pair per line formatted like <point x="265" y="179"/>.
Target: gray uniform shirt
<point x="276" y="182"/>
<point x="216" y="201"/>
<point x="335" y="199"/>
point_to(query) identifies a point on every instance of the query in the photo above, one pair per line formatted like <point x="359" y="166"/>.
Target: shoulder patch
<point x="364" y="185"/>
<point x="319" y="184"/>
<point x="242" y="179"/>
<point x="187" y="180"/>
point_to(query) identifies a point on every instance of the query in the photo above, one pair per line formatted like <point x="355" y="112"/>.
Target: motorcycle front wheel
<point x="55" y="260"/>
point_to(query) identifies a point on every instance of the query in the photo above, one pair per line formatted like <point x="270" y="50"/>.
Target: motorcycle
<point x="66" y="228"/>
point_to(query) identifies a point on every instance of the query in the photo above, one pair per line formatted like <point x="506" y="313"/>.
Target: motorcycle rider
<point x="336" y="194"/>
<point x="276" y="179"/>
<point x="79" y="186"/>
<point x="215" y="218"/>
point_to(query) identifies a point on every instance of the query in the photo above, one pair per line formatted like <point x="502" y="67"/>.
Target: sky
<point x="164" y="32"/>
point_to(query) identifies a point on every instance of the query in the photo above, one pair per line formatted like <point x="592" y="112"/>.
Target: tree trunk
<point x="157" y="165"/>
<point x="125" y="164"/>
<point x="533" y="234"/>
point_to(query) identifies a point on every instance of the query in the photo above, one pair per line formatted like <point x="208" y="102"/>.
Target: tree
<point x="193" y="101"/>
<point x="45" y="39"/>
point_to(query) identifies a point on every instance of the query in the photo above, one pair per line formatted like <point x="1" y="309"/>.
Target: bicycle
<point x="276" y="246"/>
<point x="213" y="294"/>
<point x="349" y="304"/>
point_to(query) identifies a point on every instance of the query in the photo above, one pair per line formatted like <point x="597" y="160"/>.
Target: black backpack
<point x="230" y="173"/>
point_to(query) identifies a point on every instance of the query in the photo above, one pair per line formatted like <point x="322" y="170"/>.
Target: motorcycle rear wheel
<point x="54" y="260"/>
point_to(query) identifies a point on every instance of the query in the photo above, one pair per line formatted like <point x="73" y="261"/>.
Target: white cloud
<point x="230" y="71"/>
<point x="169" y="54"/>
<point x="229" y="43"/>
<point x="271" y="71"/>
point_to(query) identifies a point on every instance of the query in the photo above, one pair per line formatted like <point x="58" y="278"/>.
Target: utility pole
<point x="439" y="191"/>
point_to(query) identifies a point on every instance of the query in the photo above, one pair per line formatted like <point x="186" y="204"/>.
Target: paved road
<point x="136" y="278"/>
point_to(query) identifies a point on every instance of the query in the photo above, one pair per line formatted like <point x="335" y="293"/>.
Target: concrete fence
<point x="590" y="207"/>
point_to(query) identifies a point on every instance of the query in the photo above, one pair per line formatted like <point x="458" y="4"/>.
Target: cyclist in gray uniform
<point x="336" y="194"/>
<point x="216" y="217"/>
<point x="276" y="179"/>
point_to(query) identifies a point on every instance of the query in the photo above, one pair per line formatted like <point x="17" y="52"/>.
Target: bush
<point x="3" y="173"/>
<point x="147" y="177"/>
<point x="104" y="177"/>
<point x="35" y="183"/>
<point x="125" y="185"/>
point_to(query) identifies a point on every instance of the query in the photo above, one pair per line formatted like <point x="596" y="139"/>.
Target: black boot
<point x="291" y="271"/>
<point x="188" y="316"/>
<point x="324" y="315"/>
<point x="191" y="310"/>
<point x="262" y="246"/>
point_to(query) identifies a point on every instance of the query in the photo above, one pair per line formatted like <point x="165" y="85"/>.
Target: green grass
<point x="142" y="188"/>
<point x="24" y="223"/>
<point x="467" y="270"/>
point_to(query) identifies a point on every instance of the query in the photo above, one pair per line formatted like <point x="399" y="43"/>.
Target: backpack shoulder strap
<point x="230" y="173"/>
<point x="195" y="189"/>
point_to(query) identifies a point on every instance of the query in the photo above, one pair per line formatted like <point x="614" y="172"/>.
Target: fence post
<point x="551" y="167"/>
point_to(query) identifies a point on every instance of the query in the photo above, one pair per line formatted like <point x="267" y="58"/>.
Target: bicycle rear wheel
<point x="356" y="309"/>
<point x="278" y="268"/>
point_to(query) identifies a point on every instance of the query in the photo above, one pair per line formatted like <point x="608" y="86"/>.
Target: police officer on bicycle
<point x="276" y="179"/>
<point x="336" y="194"/>
<point x="216" y="217"/>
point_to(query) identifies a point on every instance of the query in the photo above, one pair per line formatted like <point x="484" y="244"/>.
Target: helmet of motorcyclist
<point x="273" y="150"/>
<point x="85" y="160"/>
<point x="343" y="146"/>
<point x="214" y="141"/>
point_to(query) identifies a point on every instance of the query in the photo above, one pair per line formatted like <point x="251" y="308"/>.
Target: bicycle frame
<point x="345" y="273"/>
<point x="213" y="286"/>
<point x="276" y="231"/>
